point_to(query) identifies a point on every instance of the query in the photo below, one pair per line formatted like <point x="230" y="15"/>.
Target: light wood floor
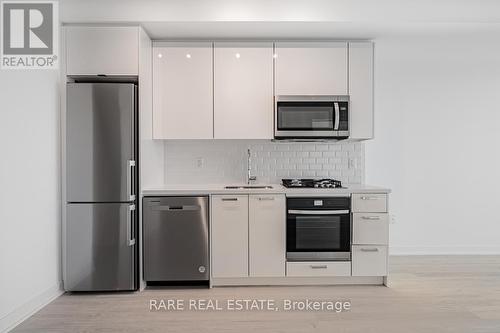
<point x="427" y="294"/>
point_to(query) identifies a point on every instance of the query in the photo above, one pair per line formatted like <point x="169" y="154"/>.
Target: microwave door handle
<point x="337" y="116"/>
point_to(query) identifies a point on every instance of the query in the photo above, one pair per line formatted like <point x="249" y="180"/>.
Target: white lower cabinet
<point x="370" y="234"/>
<point x="248" y="239"/>
<point x="369" y="203"/>
<point x="248" y="236"/>
<point x="267" y="247"/>
<point x="318" y="268"/>
<point x="370" y="228"/>
<point x="229" y="236"/>
<point x="369" y="260"/>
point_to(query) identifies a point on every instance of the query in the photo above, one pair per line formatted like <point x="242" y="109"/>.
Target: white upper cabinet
<point x="243" y="91"/>
<point x="182" y="90"/>
<point x="311" y="68"/>
<point x="361" y="89"/>
<point x="102" y="50"/>
<point x="267" y="247"/>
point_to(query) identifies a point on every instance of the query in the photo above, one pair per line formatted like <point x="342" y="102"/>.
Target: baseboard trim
<point x="298" y="281"/>
<point x="444" y="250"/>
<point x="17" y="316"/>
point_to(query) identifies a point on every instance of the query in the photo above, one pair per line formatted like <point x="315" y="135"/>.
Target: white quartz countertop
<point x="208" y="189"/>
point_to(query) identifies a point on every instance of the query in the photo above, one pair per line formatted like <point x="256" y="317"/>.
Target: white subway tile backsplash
<point x="342" y="154"/>
<point x="335" y="160"/>
<point x="307" y="147"/>
<point x="315" y="154"/>
<point x="322" y="174"/>
<point x="302" y="154"/>
<point x="225" y="161"/>
<point x="322" y="148"/>
<point x="334" y="147"/>
<point x="349" y="148"/>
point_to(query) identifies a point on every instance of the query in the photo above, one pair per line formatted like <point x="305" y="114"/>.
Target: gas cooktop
<point x="312" y="183"/>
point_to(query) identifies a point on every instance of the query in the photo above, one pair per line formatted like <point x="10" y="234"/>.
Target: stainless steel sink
<point x="248" y="187"/>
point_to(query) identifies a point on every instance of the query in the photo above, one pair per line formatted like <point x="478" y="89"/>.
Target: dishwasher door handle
<point x="185" y="208"/>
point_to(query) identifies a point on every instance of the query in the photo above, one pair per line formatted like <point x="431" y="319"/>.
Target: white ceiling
<point x="314" y="30"/>
<point x="363" y="19"/>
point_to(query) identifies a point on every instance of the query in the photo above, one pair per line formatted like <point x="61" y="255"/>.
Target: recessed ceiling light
<point x="160" y="55"/>
<point x="237" y="55"/>
<point x="188" y="56"/>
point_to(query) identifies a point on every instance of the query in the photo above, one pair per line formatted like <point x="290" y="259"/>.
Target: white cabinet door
<point x="369" y="203"/>
<point x="267" y="221"/>
<point x="102" y="50"/>
<point x="229" y="236"/>
<point x="370" y="228"/>
<point x="182" y="90"/>
<point x="361" y="89"/>
<point x="318" y="268"/>
<point x="314" y="68"/>
<point x="369" y="260"/>
<point x="243" y="91"/>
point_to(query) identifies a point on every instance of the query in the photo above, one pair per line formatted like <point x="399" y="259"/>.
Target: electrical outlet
<point x="352" y="163"/>
<point x="392" y="219"/>
<point x="200" y="162"/>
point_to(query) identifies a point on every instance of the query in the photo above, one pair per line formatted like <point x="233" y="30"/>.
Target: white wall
<point x="437" y="136"/>
<point x="30" y="192"/>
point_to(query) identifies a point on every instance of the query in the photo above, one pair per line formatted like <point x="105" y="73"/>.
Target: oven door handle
<point x="318" y="212"/>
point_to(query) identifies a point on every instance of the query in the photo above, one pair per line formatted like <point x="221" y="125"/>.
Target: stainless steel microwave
<point x="311" y="117"/>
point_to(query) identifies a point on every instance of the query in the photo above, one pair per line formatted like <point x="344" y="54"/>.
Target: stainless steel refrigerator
<point x="101" y="185"/>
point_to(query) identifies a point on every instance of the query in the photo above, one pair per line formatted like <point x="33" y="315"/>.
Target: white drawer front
<point x="318" y="268"/>
<point x="370" y="203"/>
<point x="370" y="228"/>
<point x="369" y="260"/>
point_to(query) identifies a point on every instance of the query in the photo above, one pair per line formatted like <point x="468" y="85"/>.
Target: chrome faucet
<point x="250" y="178"/>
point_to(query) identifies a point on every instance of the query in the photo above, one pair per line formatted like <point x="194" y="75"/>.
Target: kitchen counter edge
<point x="218" y="189"/>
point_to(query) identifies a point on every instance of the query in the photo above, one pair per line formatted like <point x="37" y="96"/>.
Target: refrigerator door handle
<point x="130" y="166"/>
<point x="130" y="226"/>
<point x="337" y="116"/>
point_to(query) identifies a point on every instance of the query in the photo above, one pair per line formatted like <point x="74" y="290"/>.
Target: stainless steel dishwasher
<point x="176" y="239"/>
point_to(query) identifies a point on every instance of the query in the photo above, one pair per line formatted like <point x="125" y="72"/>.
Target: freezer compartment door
<point x="176" y="239"/>
<point x="100" y="247"/>
<point x="100" y="142"/>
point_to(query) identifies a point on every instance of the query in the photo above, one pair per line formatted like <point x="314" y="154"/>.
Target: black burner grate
<point x="307" y="183"/>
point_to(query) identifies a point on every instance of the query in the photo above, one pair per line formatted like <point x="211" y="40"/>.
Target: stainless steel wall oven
<point x="318" y="229"/>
